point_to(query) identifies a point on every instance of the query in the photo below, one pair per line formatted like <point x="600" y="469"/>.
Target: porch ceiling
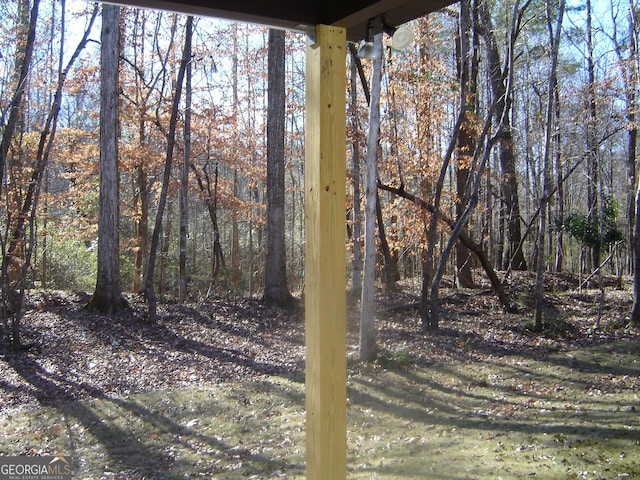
<point x="300" y="14"/>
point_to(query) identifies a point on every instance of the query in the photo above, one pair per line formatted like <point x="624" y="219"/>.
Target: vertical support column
<point x="325" y="254"/>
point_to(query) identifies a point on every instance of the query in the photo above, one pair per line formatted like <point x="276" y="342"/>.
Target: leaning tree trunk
<point x="45" y="146"/>
<point x="9" y="306"/>
<point x="465" y="239"/>
<point x="149" y="291"/>
<point x="429" y="321"/>
<point x="30" y="202"/>
<point x="15" y="106"/>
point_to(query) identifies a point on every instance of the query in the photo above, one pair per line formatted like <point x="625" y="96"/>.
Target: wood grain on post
<point x="325" y="262"/>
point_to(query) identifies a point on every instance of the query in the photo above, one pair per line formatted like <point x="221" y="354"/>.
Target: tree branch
<point x="463" y="237"/>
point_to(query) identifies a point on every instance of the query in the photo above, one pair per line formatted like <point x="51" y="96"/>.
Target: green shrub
<point x="586" y="228"/>
<point x="71" y="263"/>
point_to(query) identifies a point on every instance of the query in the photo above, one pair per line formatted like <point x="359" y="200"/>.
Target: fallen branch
<point x="463" y="237"/>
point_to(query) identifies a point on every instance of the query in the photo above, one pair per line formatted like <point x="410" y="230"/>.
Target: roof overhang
<point x="300" y="14"/>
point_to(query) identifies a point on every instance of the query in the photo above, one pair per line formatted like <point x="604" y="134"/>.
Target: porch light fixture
<point x="401" y="37"/>
<point x="369" y="50"/>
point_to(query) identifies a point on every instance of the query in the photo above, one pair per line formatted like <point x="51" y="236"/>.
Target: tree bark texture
<point x="107" y="296"/>
<point x="276" y="290"/>
<point x="513" y="254"/>
<point x="466" y="140"/>
<point x="356" y="216"/>
<point x="367" y="321"/>
<point x="391" y="273"/>
<point x="184" y="184"/>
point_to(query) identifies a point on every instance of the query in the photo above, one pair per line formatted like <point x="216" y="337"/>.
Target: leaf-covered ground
<point x="215" y="390"/>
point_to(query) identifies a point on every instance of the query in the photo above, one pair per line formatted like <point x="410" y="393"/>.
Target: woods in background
<point x="507" y="135"/>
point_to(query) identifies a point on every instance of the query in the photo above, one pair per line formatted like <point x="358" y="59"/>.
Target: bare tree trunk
<point x="595" y="182"/>
<point x="391" y="274"/>
<point x="635" y="311"/>
<point x="149" y="291"/>
<point x="628" y="66"/>
<point x="367" y="322"/>
<point x="429" y="322"/>
<point x="211" y="201"/>
<point x="591" y="142"/>
<point x="356" y="217"/>
<point x="141" y="199"/>
<point x="142" y="248"/>
<point x="236" y="275"/>
<point x="165" y="244"/>
<point x="466" y="141"/>
<point x="554" y="40"/>
<point x="276" y="290"/>
<point x="635" y="205"/>
<point x="559" y="181"/>
<point x="24" y="64"/>
<point x="464" y="260"/>
<point x="107" y="296"/>
<point x="184" y="187"/>
<point x="632" y="142"/>
<point x="513" y="255"/>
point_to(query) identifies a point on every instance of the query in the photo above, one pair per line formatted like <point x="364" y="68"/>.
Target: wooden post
<point x="325" y="254"/>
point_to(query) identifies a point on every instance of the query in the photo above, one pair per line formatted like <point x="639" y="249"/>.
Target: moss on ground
<point x="569" y="415"/>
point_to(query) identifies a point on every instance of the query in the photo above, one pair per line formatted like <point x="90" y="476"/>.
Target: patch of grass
<point x="524" y="300"/>
<point x="620" y="324"/>
<point x="392" y="359"/>
<point x="571" y="415"/>
<point x="553" y="326"/>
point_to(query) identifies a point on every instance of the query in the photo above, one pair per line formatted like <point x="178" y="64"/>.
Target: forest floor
<point x="216" y="389"/>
